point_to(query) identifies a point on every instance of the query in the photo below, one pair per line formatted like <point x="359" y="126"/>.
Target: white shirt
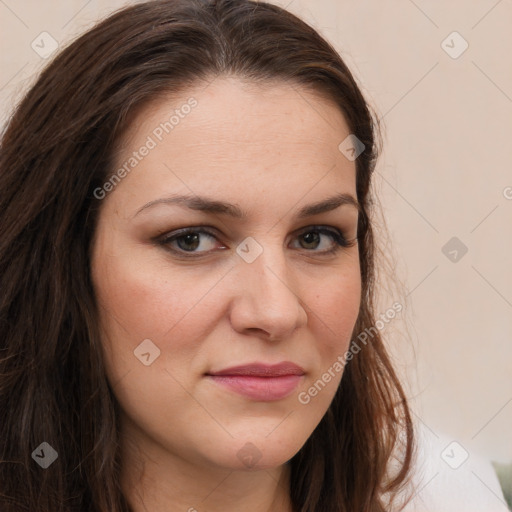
<point x="449" y="477"/>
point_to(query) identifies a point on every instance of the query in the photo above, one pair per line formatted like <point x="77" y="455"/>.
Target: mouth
<point x="260" y="382"/>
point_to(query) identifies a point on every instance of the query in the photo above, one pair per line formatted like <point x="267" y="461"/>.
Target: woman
<point x="187" y="270"/>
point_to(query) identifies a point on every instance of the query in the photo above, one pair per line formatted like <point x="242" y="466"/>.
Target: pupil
<point x="189" y="239"/>
<point x="311" y="237"/>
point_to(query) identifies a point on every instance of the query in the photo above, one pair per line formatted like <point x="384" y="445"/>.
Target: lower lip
<point x="265" y="389"/>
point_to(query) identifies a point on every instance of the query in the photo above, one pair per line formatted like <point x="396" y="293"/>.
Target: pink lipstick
<point x="261" y="382"/>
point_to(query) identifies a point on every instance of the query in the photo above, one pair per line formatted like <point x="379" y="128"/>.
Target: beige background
<point x="444" y="173"/>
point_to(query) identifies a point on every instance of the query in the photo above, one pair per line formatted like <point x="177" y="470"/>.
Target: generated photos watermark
<point x="337" y="367"/>
<point x="152" y="141"/>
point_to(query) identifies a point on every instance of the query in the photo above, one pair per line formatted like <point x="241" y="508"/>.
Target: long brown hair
<point x="55" y="151"/>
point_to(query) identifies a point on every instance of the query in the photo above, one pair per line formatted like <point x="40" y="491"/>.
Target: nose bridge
<point x="266" y="296"/>
<point x="269" y="271"/>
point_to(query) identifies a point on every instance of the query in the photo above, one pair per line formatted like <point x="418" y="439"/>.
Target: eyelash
<point x="335" y="234"/>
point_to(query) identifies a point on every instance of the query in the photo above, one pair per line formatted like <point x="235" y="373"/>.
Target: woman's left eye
<point x="313" y="236"/>
<point x="190" y="242"/>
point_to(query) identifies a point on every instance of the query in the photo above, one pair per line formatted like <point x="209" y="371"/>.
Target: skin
<point x="271" y="149"/>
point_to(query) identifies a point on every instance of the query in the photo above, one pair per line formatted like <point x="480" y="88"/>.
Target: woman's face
<point x="250" y="284"/>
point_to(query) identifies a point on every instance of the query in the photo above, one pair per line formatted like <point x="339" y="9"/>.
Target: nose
<point x="265" y="301"/>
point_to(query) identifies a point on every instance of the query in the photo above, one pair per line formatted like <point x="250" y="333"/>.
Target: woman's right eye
<point x="188" y="241"/>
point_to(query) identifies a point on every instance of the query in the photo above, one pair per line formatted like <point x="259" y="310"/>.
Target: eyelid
<point x="168" y="237"/>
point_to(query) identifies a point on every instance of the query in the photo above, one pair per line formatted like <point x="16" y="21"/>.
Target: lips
<point x="262" y="370"/>
<point x="258" y="381"/>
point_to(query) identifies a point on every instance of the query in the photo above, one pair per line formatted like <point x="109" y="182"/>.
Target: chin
<point x="258" y="455"/>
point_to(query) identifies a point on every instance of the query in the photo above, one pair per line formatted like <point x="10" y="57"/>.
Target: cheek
<point x="335" y="310"/>
<point x="332" y="319"/>
<point x="142" y="299"/>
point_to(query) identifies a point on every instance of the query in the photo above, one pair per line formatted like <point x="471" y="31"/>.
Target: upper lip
<point x="262" y="370"/>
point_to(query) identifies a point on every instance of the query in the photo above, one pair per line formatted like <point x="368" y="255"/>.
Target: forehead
<point x="249" y="113"/>
<point x="233" y="132"/>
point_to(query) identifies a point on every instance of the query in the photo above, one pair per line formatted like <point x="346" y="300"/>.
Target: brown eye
<point x="312" y="239"/>
<point x="189" y="240"/>
<point x="194" y="242"/>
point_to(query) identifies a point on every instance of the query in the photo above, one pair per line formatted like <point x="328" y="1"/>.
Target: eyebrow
<point x="205" y="204"/>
